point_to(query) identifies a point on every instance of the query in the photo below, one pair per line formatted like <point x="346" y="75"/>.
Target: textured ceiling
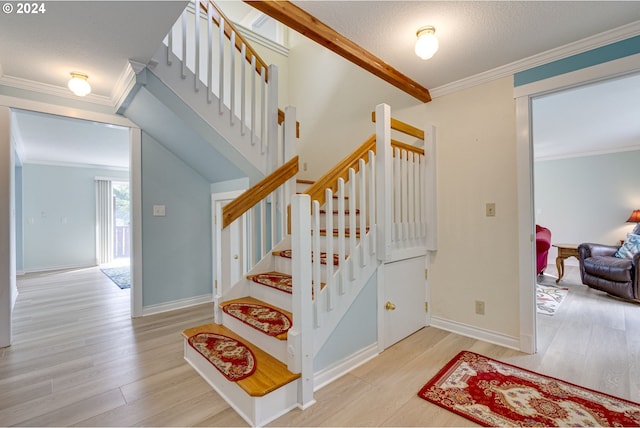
<point x="475" y="37"/>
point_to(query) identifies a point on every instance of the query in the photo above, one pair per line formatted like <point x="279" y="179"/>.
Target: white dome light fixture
<point x="79" y="84"/>
<point x="427" y="43"/>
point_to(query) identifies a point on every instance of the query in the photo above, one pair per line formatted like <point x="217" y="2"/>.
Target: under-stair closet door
<point x="229" y="261"/>
<point x="402" y="299"/>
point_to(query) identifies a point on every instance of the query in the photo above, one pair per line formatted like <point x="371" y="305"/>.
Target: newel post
<point x="290" y="137"/>
<point x="300" y="336"/>
<point x="384" y="171"/>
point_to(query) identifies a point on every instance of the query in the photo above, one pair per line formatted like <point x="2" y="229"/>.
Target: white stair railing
<point x="231" y="73"/>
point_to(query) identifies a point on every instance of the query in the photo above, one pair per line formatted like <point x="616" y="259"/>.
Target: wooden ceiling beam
<point x="297" y="19"/>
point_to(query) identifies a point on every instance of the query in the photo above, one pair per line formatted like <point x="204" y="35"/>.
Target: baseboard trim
<point x="327" y="375"/>
<point x="54" y="268"/>
<point x="474" y="332"/>
<point x="176" y="304"/>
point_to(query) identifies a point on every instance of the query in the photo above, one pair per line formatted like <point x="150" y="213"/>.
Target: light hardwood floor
<point x="78" y="359"/>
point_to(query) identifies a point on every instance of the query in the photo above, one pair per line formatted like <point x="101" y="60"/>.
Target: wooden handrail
<point x="281" y="119"/>
<point x="408" y="147"/>
<point x="216" y="15"/>
<point x="341" y="170"/>
<point x="403" y="127"/>
<point x="258" y="192"/>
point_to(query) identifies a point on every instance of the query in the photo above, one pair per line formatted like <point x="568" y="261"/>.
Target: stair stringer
<point x="329" y="320"/>
<point x="237" y="143"/>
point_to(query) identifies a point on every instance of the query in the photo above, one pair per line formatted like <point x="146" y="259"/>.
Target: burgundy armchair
<point x="543" y="243"/>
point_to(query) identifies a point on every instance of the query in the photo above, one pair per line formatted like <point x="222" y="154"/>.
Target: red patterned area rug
<point x="277" y="280"/>
<point x="323" y="257"/>
<point x="232" y="358"/>
<point x="492" y="393"/>
<point x="264" y="318"/>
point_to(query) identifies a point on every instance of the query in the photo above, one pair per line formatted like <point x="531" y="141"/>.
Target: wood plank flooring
<point x="79" y="359"/>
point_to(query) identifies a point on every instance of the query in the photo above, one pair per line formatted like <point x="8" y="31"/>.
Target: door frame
<point x="135" y="180"/>
<point x="523" y="96"/>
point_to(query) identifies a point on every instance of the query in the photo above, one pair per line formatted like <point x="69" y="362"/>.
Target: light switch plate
<point x="158" y="210"/>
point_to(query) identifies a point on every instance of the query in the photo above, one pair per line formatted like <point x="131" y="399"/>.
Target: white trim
<point x="584" y="45"/>
<point x="252" y="36"/>
<point x="125" y="83"/>
<point x="59" y="267"/>
<point x="324" y="377"/>
<point x="476" y="332"/>
<point x="77" y="165"/>
<point x="58" y="110"/>
<point x="46" y="88"/>
<point x="573" y="155"/>
<point x="135" y="189"/>
<point x="176" y="304"/>
<point x="523" y="95"/>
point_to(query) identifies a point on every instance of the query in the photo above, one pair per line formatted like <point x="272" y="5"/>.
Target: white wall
<point x="587" y="199"/>
<point x="334" y="100"/>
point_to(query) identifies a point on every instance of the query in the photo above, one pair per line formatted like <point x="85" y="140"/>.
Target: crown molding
<point x="125" y="83"/>
<point x="578" y="154"/>
<point x="584" y="45"/>
<point x="47" y="89"/>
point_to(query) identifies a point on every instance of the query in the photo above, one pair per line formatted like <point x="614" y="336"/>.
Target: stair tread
<point x="274" y="273"/>
<point x="270" y="373"/>
<point x="323" y="256"/>
<point x="254" y="301"/>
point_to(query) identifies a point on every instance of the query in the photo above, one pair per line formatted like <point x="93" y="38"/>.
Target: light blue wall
<point x="587" y="199"/>
<point x="356" y="331"/>
<point x="59" y="216"/>
<point x="590" y="58"/>
<point x="176" y="249"/>
<point x="19" y="219"/>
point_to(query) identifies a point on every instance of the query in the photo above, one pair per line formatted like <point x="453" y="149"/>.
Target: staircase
<point x="302" y="258"/>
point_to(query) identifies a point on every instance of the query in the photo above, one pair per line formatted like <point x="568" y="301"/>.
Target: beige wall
<point x="334" y="100"/>
<point x="477" y="257"/>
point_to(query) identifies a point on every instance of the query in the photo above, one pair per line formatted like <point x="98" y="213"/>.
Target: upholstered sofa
<point x="602" y="270"/>
<point x="543" y="243"/>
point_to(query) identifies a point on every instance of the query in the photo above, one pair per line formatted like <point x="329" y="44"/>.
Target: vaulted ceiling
<point x="478" y="39"/>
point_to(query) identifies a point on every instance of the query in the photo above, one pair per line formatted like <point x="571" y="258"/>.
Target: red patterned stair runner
<point x="267" y="319"/>
<point x="277" y="280"/>
<point x="323" y="256"/>
<point x="231" y="357"/>
<point x="346" y="232"/>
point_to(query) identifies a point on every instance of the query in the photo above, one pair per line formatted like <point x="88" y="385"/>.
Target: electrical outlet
<point x="479" y="307"/>
<point x="304" y="166"/>
<point x="159" y="211"/>
<point x="491" y="209"/>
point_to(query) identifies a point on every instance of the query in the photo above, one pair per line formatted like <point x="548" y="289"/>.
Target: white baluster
<point x="243" y="90"/>
<point x="315" y="262"/>
<point x="184" y="44"/>
<point x="210" y="54"/>
<point x="364" y="239"/>
<point x="253" y="100"/>
<point x="328" y="225"/>
<point x="404" y="174"/>
<point x="383" y="182"/>
<point x="221" y="69"/>
<point x="169" y="46"/>
<point x="342" y="247"/>
<point x="263" y="112"/>
<point x="397" y="197"/>
<point x="232" y="78"/>
<point x="196" y="80"/>
<point x="372" y="202"/>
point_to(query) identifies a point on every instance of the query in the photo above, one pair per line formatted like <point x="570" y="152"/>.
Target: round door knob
<point x="390" y="306"/>
<point x="235" y="257"/>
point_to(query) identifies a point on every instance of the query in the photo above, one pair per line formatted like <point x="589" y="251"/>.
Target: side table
<point x="564" y="252"/>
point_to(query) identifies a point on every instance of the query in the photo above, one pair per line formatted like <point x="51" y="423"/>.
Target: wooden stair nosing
<point x="270" y="373"/>
<point x="254" y="301"/>
<point x="322" y="284"/>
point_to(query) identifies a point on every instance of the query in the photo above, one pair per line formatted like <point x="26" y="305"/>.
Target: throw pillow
<point x="630" y="247"/>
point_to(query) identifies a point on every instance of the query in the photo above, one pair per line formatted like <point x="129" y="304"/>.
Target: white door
<point x="228" y="266"/>
<point x="403" y="299"/>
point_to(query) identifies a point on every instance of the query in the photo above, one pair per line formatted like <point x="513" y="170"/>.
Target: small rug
<point x="264" y="318"/>
<point x="232" y="358"/>
<point x="492" y="393"/>
<point x="121" y="276"/>
<point x="323" y="257"/>
<point x="279" y="281"/>
<point x="548" y="299"/>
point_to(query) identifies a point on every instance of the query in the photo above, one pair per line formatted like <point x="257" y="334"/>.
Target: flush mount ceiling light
<point x="427" y="43"/>
<point x="79" y="84"/>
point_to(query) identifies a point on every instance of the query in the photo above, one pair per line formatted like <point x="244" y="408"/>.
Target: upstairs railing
<point x="231" y="73"/>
